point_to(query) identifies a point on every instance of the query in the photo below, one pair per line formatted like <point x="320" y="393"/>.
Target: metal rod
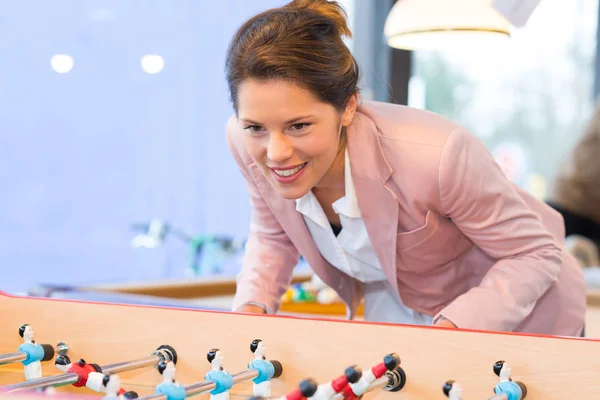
<point x="133" y="364"/>
<point x="12" y="357"/>
<point x="207" y="386"/>
<point x="378" y="383"/>
<point x="17" y="356"/>
<point x="70" y="378"/>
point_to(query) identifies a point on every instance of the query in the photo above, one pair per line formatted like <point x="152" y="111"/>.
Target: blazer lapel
<point x="378" y="203"/>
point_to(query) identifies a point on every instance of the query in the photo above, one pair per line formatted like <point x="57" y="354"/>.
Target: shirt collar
<point x="346" y="205"/>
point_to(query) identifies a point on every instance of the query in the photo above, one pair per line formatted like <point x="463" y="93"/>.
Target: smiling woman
<point x="294" y="136"/>
<point x="395" y="205"/>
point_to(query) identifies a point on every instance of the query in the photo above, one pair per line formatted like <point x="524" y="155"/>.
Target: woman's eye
<point x="300" y="126"/>
<point x="254" y="128"/>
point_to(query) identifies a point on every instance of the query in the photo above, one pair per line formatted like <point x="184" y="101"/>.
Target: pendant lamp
<point x="444" y="24"/>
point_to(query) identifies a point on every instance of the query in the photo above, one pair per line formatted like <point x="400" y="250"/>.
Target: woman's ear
<point x="351" y="106"/>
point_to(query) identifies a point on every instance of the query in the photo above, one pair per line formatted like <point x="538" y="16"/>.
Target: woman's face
<point x="291" y="135"/>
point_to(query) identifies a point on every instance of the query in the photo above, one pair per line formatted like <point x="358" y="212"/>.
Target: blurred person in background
<point x="576" y="195"/>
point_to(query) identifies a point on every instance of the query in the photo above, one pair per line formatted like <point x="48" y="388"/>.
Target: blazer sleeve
<point x="270" y="256"/>
<point x="486" y="207"/>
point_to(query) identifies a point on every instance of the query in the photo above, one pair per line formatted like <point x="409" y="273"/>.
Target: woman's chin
<point x="290" y="192"/>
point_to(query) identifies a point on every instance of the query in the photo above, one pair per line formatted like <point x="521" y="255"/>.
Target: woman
<point x="398" y="206"/>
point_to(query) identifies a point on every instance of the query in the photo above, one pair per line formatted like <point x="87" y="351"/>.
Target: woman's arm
<point x="270" y="256"/>
<point x="486" y="207"/>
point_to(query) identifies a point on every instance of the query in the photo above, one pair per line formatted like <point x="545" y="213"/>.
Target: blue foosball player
<point x="267" y="369"/>
<point x="36" y="353"/>
<point x="219" y="376"/>
<point x="169" y="387"/>
<point x="511" y="389"/>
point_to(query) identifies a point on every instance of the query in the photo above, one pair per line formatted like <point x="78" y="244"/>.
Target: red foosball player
<point x="305" y="390"/>
<point x="309" y="390"/>
<point x="327" y="391"/>
<point x="81" y="368"/>
<point x="354" y="391"/>
<point x="90" y="375"/>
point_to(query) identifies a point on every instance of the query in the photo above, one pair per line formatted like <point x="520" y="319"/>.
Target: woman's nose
<point x="279" y="148"/>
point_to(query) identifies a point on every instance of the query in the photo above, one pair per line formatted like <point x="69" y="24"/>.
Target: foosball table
<point x="80" y="349"/>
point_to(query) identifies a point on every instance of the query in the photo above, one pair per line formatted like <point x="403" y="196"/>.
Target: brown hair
<point x="300" y="42"/>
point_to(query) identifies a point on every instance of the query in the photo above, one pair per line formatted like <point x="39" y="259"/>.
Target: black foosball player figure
<point x="267" y="369"/>
<point x="222" y="378"/>
<point x="36" y="353"/>
<point x="452" y="390"/>
<point x="169" y="385"/>
<point x="511" y="389"/>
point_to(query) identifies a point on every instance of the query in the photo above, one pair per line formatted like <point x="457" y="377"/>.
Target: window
<point x="528" y="100"/>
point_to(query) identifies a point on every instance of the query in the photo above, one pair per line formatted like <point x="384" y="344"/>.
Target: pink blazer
<point x="450" y="231"/>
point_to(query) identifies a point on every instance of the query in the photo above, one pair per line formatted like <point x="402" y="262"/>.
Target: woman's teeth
<point x="289" y="172"/>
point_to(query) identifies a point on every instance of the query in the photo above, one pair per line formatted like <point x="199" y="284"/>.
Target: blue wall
<point x="85" y="154"/>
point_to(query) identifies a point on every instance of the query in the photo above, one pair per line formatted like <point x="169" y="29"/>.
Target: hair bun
<point x="329" y="9"/>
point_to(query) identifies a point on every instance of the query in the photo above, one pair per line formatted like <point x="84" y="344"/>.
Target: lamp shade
<point x="444" y="24"/>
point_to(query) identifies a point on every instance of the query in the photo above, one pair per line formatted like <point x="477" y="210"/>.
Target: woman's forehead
<point x="277" y="102"/>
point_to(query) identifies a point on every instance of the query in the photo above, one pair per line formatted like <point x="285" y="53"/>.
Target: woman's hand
<point x="251" y="309"/>
<point x="445" y="323"/>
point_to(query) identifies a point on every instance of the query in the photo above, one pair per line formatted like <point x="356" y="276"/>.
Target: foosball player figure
<point x="267" y="369"/>
<point x="90" y="375"/>
<point x="36" y="353"/>
<point x="305" y="390"/>
<point x="452" y="390"/>
<point x="169" y="386"/>
<point x="512" y="389"/>
<point x="390" y="364"/>
<point x="111" y="385"/>
<point x="221" y="378"/>
<point x="81" y="368"/>
<point x="327" y="391"/>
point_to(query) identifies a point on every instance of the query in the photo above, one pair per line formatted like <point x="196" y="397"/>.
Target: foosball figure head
<point x="215" y="358"/>
<point x="391" y="361"/>
<point x="452" y="390"/>
<point x="63" y="363"/>
<point x="502" y="370"/>
<point x="112" y="386"/>
<point x="167" y="370"/>
<point x="353" y="374"/>
<point x="308" y="387"/>
<point x="257" y="346"/>
<point x="26" y="332"/>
